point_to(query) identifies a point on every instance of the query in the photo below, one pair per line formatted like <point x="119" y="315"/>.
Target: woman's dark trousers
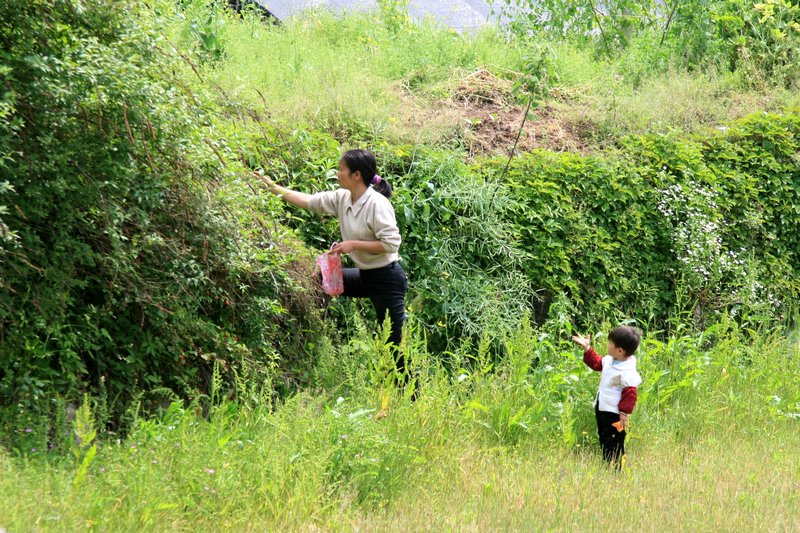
<point x="386" y="288"/>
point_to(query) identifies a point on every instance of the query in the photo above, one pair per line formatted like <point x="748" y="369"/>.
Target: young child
<point x="616" y="396"/>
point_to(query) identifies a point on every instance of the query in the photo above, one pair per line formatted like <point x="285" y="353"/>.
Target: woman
<point x="369" y="235"/>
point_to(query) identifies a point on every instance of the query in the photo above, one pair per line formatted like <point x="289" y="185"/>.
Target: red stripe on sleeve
<point x="592" y="360"/>
<point x="628" y="400"/>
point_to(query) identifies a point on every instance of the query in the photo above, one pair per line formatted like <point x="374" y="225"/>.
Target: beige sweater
<point x="371" y="218"/>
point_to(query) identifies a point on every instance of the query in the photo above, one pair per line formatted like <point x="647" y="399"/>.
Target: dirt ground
<point x="493" y="117"/>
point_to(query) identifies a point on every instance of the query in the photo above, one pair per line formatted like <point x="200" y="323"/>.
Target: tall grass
<point x="357" y="77"/>
<point x="607" y="107"/>
<point x="604" y="100"/>
<point x="351" y="72"/>
<point x="489" y="444"/>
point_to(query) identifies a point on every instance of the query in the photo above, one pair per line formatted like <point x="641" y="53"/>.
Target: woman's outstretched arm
<point x="300" y="199"/>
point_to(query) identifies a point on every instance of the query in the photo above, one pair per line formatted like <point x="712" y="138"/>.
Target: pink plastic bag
<point x="330" y="265"/>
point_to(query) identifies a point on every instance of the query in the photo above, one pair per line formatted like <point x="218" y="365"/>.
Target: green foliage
<point x="760" y="41"/>
<point x="394" y="14"/>
<point x="205" y="29"/>
<point x="644" y="232"/>
<point x="538" y="74"/>
<point x="623" y="234"/>
<point x="123" y="262"/>
<point x="140" y="262"/>
<point x="84" y="448"/>
<point x="352" y="76"/>
<point x="613" y="24"/>
<point x="322" y="458"/>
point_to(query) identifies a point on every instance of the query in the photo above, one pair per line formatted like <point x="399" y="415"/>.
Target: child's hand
<point x="584" y="342"/>
<point x="623" y="419"/>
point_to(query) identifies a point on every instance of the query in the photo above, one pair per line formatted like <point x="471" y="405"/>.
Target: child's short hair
<point x="626" y="337"/>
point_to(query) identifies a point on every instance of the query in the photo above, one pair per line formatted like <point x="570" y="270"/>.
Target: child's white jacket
<point x="615" y="376"/>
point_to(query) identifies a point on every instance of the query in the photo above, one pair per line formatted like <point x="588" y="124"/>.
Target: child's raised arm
<point x="590" y="357"/>
<point x="584" y="342"/>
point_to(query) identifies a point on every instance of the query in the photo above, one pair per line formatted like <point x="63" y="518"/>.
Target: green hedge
<point x="124" y="265"/>
<point x="658" y="226"/>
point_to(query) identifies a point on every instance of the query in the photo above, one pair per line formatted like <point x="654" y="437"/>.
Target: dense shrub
<point x="124" y="265"/>
<point x="710" y="219"/>
<point x="663" y="224"/>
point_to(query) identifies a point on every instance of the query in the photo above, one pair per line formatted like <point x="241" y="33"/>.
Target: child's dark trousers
<point x="611" y="440"/>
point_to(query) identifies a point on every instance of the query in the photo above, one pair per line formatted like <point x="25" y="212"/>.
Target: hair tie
<point x="376" y="180"/>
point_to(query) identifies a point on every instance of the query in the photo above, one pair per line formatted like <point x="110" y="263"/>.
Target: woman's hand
<point x="300" y="199"/>
<point x="271" y="185"/>
<point x="343" y="247"/>
<point x="584" y="342"/>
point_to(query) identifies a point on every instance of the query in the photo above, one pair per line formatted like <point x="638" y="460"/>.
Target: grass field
<point x="712" y="448"/>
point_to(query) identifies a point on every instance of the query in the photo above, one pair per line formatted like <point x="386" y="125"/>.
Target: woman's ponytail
<point x="382" y="186"/>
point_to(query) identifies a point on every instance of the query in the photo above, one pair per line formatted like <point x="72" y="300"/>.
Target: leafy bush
<point x="761" y="41"/>
<point x="645" y="231"/>
<point x="630" y="231"/>
<point x="139" y="261"/>
<point x="123" y="263"/>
